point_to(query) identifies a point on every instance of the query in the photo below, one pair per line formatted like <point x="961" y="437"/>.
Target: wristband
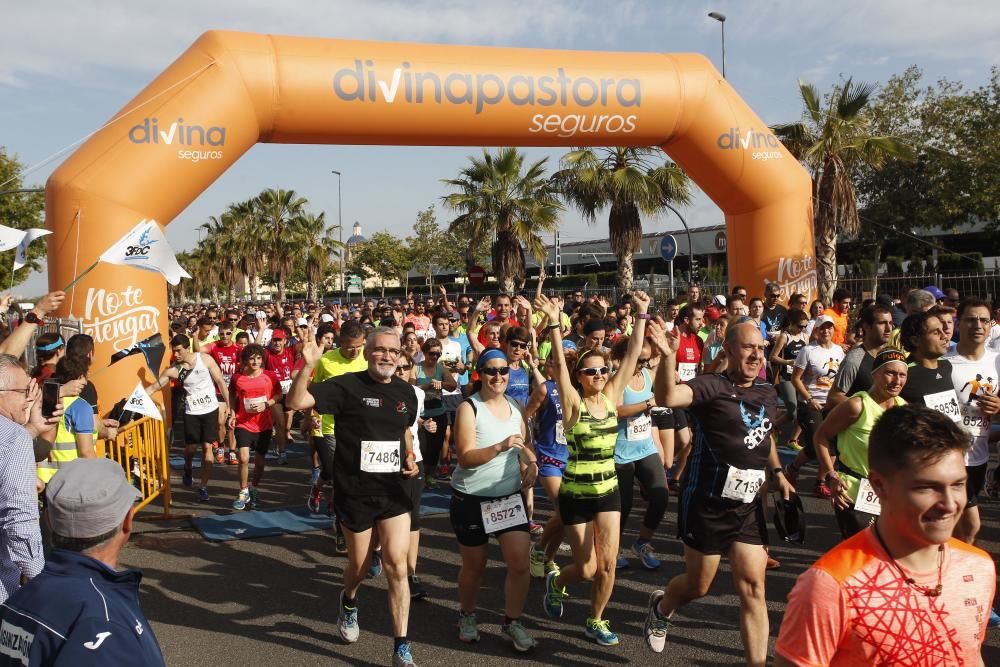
<point x="553" y="326"/>
<point x="829" y="474"/>
<point x="775" y="471"/>
<point x="644" y="316"/>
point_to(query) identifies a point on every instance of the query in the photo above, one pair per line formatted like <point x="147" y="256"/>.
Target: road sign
<point x="720" y="241"/>
<point x="668" y="248"/>
<point x="477" y="275"/>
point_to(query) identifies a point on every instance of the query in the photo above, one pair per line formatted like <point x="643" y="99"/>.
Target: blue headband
<point x="569" y="345"/>
<point x="490" y="355"/>
<point x="54" y="345"/>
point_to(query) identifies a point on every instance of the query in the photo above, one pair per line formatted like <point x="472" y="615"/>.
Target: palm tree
<point x="497" y="197"/>
<point x="630" y="181"/>
<point x="224" y="249"/>
<point x="276" y="209"/>
<point x="247" y="240"/>
<point x="834" y="143"/>
<point x="320" y="245"/>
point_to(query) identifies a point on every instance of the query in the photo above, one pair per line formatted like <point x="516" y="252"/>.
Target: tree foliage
<point x="383" y="256"/>
<point x="20" y="211"/>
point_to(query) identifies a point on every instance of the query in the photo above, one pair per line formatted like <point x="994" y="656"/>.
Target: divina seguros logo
<point x="200" y="142"/>
<point x="362" y="83"/>
<point x="764" y="144"/>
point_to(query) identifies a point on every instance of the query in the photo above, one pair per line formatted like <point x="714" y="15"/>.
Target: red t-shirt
<point x="689" y="355"/>
<point x="228" y="358"/>
<point x="281" y="364"/>
<point x="248" y="390"/>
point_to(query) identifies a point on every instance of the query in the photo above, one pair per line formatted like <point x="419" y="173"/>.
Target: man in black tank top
<point x="855" y="372"/>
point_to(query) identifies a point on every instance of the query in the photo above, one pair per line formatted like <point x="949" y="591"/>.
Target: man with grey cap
<point x="82" y="610"/>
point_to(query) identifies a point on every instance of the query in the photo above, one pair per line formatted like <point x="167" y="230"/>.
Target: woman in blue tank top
<point x="495" y="466"/>
<point x="516" y="343"/>
<point x="638" y="456"/>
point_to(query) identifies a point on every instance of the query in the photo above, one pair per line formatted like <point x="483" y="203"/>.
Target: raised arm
<point x="298" y="397"/>
<point x="17" y="342"/>
<point x="616" y="384"/>
<point x="568" y="396"/>
<point x="668" y="393"/>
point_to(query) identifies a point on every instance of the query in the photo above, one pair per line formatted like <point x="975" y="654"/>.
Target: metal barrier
<point x="142" y="450"/>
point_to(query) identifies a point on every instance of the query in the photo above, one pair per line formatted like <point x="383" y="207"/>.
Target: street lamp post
<point x="690" y="245"/>
<point x="340" y="232"/>
<point x="721" y="18"/>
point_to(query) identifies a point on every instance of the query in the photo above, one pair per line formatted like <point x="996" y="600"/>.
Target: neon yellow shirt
<point x="330" y="365"/>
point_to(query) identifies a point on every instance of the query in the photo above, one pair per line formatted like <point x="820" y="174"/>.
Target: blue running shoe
<point x="403" y="657"/>
<point x="622" y="562"/>
<point x="644" y="550"/>
<point x="347" y="623"/>
<point x="188" y="478"/>
<point x="994" y="621"/>
<point x="600" y="630"/>
<point x="552" y="602"/>
<point x="375" y="569"/>
<point x="203" y="494"/>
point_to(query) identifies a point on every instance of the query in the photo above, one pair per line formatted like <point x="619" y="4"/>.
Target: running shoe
<point x="220" y="456"/>
<point x="314" y="476"/>
<point x="443" y="473"/>
<point x="347" y="623"/>
<point x="341" y="547"/>
<point x="429" y="482"/>
<point x="188" y="478"/>
<point x="253" y="498"/>
<point x="417" y="590"/>
<point x="656" y="626"/>
<point x="535" y="529"/>
<point x="375" y="569"/>
<point x="622" y="562"/>
<point x="519" y="636"/>
<point x="673" y="487"/>
<point x="647" y="555"/>
<point x="551" y="566"/>
<point x="994" y="621"/>
<point x="314" y="499"/>
<point x="599" y="629"/>
<point x="403" y="657"/>
<point x="242" y="499"/>
<point x="467" y="630"/>
<point x="203" y="494"/>
<point x="232" y="460"/>
<point x="794" y="445"/>
<point x="552" y="602"/>
<point x="822" y="490"/>
<point x="283" y="459"/>
<point x="791" y="473"/>
<point x="536" y="563"/>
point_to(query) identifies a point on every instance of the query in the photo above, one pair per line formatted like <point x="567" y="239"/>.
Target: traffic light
<point x="694" y="269"/>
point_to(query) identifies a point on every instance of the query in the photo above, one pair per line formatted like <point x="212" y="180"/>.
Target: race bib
<point x="503" y="513"/>
<point x="687" y="371"/>
<point x="867" y="499"/>
<point x="252" y="404"/>
<point x="285" y="385"/>
<point x="974" y="421"/>
<point x="945" y="402"/>
<point x="639" y="427"/>
<point x="560" y="432"/>
<point x="199" y="402"/>
<point x="742" y="485"/>
<point x="379" y="456"/>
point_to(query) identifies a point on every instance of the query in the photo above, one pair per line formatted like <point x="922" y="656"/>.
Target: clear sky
<point x="67" y="66"/>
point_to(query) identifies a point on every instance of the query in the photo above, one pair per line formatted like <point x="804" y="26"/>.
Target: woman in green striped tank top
<point x="589" y="501"/>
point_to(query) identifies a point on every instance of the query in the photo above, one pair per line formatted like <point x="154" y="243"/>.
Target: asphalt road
<point x="274" y="601"/>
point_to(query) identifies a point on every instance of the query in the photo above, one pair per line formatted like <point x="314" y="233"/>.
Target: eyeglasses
<point x="386" y="351"/>
<point x="223" y="334"/>
<point x="643" y="362"/>
<point x="23" y="391"/>
<point x="434" y="354"/>
<point x="404" y="368"/>
<point x="303" y="326"/>
<point x="595" y="370"/>
<point x="493" y="371"/>
<point x="520" y="344"/>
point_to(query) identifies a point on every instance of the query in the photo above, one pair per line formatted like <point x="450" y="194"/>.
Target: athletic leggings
<point x="786" y="390"/>
<point x="809" y="419"/>
<point x="649" y="471"/>
<point x="431" y="444"/>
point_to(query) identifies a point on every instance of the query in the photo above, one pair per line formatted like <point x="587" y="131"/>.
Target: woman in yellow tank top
<point x="850" y="423"/>
<point x="589" y="501"/>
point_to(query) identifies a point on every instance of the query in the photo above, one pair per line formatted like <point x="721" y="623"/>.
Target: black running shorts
<point x="258" y="442"/>
<point x="199" y="429"/>
<point x="359" y="513"/>
<point x="711" y="525"/>
<point x="467" y="519"/>
<point x="574" y="511"/>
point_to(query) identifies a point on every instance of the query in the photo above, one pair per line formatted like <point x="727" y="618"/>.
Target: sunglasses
<point x="434" y="354"/>
<point x="643" y="362"/>
<point x="404" y="368"/>
<point x="225" y="333"/>
<point x="494" y="371"/>
<point x="518" y="344"/>
<point x="595" y="370"/>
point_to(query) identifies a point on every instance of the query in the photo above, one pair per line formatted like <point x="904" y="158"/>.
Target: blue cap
<point x="569" y="345"/>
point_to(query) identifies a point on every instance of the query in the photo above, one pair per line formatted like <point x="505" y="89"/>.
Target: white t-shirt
<point x="993" y="342"/>
<point x="820" y="366"/>
<point x="451" y="349"/>
<point x="975" y="377"/>
<point x="415" y="426"/>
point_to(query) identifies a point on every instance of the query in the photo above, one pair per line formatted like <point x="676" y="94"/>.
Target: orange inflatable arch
<point x="231" y="90"/>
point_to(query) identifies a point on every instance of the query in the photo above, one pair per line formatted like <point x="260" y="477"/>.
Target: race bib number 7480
<point x="379" y="456"/>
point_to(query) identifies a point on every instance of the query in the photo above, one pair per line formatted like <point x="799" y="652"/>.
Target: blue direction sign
<point x="668" y="248"/>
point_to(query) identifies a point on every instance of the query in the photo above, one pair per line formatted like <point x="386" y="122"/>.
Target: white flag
<point x="145" y="247"/>
<point x="141" y="403"/>
<point x="21" y="256"/>
<point x="10" y="237"/>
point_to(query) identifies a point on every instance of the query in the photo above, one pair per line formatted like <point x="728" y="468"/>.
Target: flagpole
<point x="80" y="277"/>
<point x="12" y="269"/>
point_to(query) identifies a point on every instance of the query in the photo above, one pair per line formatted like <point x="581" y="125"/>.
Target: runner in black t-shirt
<point x="374" y="410"/>
<point x="721" y="510"/>
<point x="929" y="376"/>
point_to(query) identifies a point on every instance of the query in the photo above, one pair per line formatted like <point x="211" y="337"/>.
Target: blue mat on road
<point x="288" y="520"/>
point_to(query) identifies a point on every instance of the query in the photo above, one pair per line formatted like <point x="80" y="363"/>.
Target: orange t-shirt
<point x="852" y="607"/>
<point x="839" y="325"/>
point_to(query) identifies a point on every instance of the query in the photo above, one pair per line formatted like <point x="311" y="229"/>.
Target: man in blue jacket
<point x="81" y="610"/>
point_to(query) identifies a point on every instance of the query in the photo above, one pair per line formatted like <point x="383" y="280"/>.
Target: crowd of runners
<point x="887" y="404"/>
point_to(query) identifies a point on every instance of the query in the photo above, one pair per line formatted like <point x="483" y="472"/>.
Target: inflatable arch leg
<point x="230" y="91"/>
